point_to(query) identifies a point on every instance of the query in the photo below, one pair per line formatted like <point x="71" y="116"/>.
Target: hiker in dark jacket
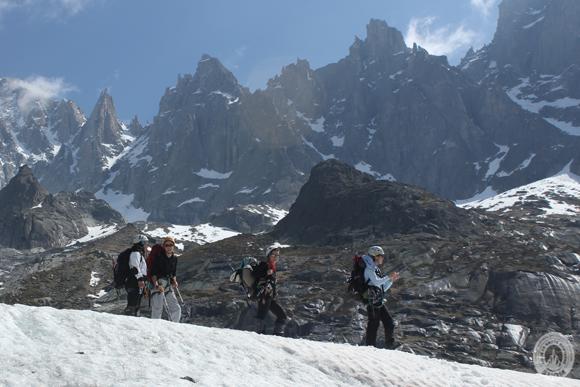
<point x="164" y="282"/>
<point x="378" y="284"/>
<point x="265" y="275"/>
<point x="135" y="285"/>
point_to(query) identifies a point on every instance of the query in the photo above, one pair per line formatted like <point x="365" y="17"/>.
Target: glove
<point x="260" y="292"/>
<point x="269" y="290"/>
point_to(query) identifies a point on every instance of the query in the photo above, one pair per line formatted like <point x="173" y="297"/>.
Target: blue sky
<point x="136" y="48"/>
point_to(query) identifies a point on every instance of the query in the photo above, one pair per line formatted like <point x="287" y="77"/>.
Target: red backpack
<point x="357" y="285"/>
<point x="155" y="251"/>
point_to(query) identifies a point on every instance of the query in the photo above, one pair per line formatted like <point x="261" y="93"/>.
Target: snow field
<point x="49" y="347"/>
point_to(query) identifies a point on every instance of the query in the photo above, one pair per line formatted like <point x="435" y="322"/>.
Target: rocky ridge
<point x="379" y="109"/>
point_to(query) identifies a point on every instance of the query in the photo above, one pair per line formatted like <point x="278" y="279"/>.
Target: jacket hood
<point x="369" y="261"/>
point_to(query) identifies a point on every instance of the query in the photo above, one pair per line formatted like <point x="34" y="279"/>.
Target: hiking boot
<point x="261" y="327"/>
<point x="279" y="329"/>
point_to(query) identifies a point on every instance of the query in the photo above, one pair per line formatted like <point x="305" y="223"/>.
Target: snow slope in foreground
<point x="46" y="347"/>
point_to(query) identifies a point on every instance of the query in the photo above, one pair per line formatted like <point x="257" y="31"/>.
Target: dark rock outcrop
<point x="31" y="217"/>
<point x="341" y="204"/>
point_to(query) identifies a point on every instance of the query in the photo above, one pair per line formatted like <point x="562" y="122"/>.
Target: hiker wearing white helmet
<point x="378" y="284"/>
<point x="265" y="276"/>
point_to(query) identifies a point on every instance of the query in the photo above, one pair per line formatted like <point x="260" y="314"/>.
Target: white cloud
<point x="51" y="9"/>
<point x="440" y="41"/>
<point x="483" y="6"/>
<point x="38" y="89"/>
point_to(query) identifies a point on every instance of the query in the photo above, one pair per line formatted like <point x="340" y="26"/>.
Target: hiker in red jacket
<point x="265" y="275"/>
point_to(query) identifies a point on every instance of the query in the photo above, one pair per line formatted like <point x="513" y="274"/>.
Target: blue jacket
<point x="374" y="276"/>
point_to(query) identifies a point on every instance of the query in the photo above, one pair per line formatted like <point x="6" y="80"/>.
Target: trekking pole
<point x="179" y="294"/>
<point x="166" y="305"/>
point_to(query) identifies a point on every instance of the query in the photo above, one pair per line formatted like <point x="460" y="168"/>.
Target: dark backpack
<point x="121" y="269"/>
<point x="155" y="251"/>
<point x="357" y="285"/>
<point x="244" y="276"/>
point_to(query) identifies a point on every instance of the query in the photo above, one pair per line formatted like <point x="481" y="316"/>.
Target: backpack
<point x="357" y="285"/>
<point x="121" y="269"/>
<point x="243" y="275"/>
<point x="155" y="251"/>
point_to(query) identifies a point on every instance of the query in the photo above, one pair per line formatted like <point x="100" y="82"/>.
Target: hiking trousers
<point x="376" y="315"/>
<point x="158" y="303"/>
<point x="269" y="304"/>
<point x="134" y="296"/>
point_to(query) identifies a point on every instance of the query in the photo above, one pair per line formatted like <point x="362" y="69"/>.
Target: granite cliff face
<point x="394" y="112"/>
<point x="213" y="145"/>
<point x="534" y="59"/>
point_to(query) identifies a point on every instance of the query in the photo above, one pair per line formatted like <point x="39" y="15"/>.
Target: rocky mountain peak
<point x="68" y="118"/>
<point x="292" y="73"/>
<point x="381" y="38"/>
<point x="135" y="127"/>
<point x="300" y="68"/>
<point x="103" y="122"/>
<point x="381" y="43"/>
<point x="335" y="174"/>
<point x="23" y="191"/>
<point x="211" y="75"/>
